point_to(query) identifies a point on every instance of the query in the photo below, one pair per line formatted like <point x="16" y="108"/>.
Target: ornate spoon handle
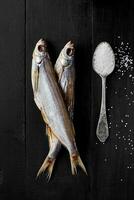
<point x="102" y="131"/>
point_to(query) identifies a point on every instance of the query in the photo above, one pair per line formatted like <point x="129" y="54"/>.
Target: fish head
<point x="69" y="49"/>
<point x="40" y="51"/>
<point x="68" y="53"/>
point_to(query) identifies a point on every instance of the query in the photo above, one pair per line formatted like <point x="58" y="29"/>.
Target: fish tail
<point x="54" y="147"/>
<point x="48" y="166"/>
<point x="75" y="162"/>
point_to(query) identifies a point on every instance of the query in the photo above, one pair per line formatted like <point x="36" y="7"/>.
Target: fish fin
<point x="48" y="131"/>
<point x="47" y="166"/>
<point x="75" y="162"/>
<point x="37" y="102"/>
<point x="58" y="68"/>
<point x="44" y="117"/>
<point x="35" y="78"/>
<point x="73" y="129"/>
<point x="69" y="98"/>
<point x="60" y="75"/>
<point x="51" y="137"/>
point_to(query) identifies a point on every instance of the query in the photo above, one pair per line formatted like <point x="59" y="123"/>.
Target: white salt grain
<point x="103" y="59"/>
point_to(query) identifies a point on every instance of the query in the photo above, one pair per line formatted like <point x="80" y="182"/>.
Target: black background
<point x="23" y="143"/>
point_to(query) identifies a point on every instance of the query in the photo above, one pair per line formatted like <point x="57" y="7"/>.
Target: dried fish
<point x="49" y="100"/>
<point x="65" y="71"/>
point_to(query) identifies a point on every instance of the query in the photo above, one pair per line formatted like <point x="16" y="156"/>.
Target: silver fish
<point x="65" y="71"/>
<point x="64" y="68"/>
<point x="49" y="100"/>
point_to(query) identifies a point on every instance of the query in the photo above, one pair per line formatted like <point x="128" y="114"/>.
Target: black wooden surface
<point x="12" y="134"/>
<point x="23" y="143"/>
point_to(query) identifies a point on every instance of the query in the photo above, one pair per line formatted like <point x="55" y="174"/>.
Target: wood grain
<point x="23" y="143"/>
<point x="12" y="84"/>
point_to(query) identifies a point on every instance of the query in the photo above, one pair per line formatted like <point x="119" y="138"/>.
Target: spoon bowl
<point x="103" y="59"/>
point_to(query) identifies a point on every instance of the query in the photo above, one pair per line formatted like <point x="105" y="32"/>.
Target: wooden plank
<point x="12" y="135"/>
<point x="59" y="22"/>
<point x="113" y="161"/>
<point x="110" y="165"/>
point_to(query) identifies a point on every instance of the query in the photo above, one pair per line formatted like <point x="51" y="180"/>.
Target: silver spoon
<point x="103" y="64"/>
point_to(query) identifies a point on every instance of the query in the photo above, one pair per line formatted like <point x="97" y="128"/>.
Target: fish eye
<point x="41" y="48"/>
<point x="69" y="51"/>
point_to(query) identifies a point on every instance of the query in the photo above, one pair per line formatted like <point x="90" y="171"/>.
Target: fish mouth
<point x="41" y="45"/>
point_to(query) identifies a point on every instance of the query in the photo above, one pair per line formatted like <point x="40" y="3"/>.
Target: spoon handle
<point x="102" y="131"/>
